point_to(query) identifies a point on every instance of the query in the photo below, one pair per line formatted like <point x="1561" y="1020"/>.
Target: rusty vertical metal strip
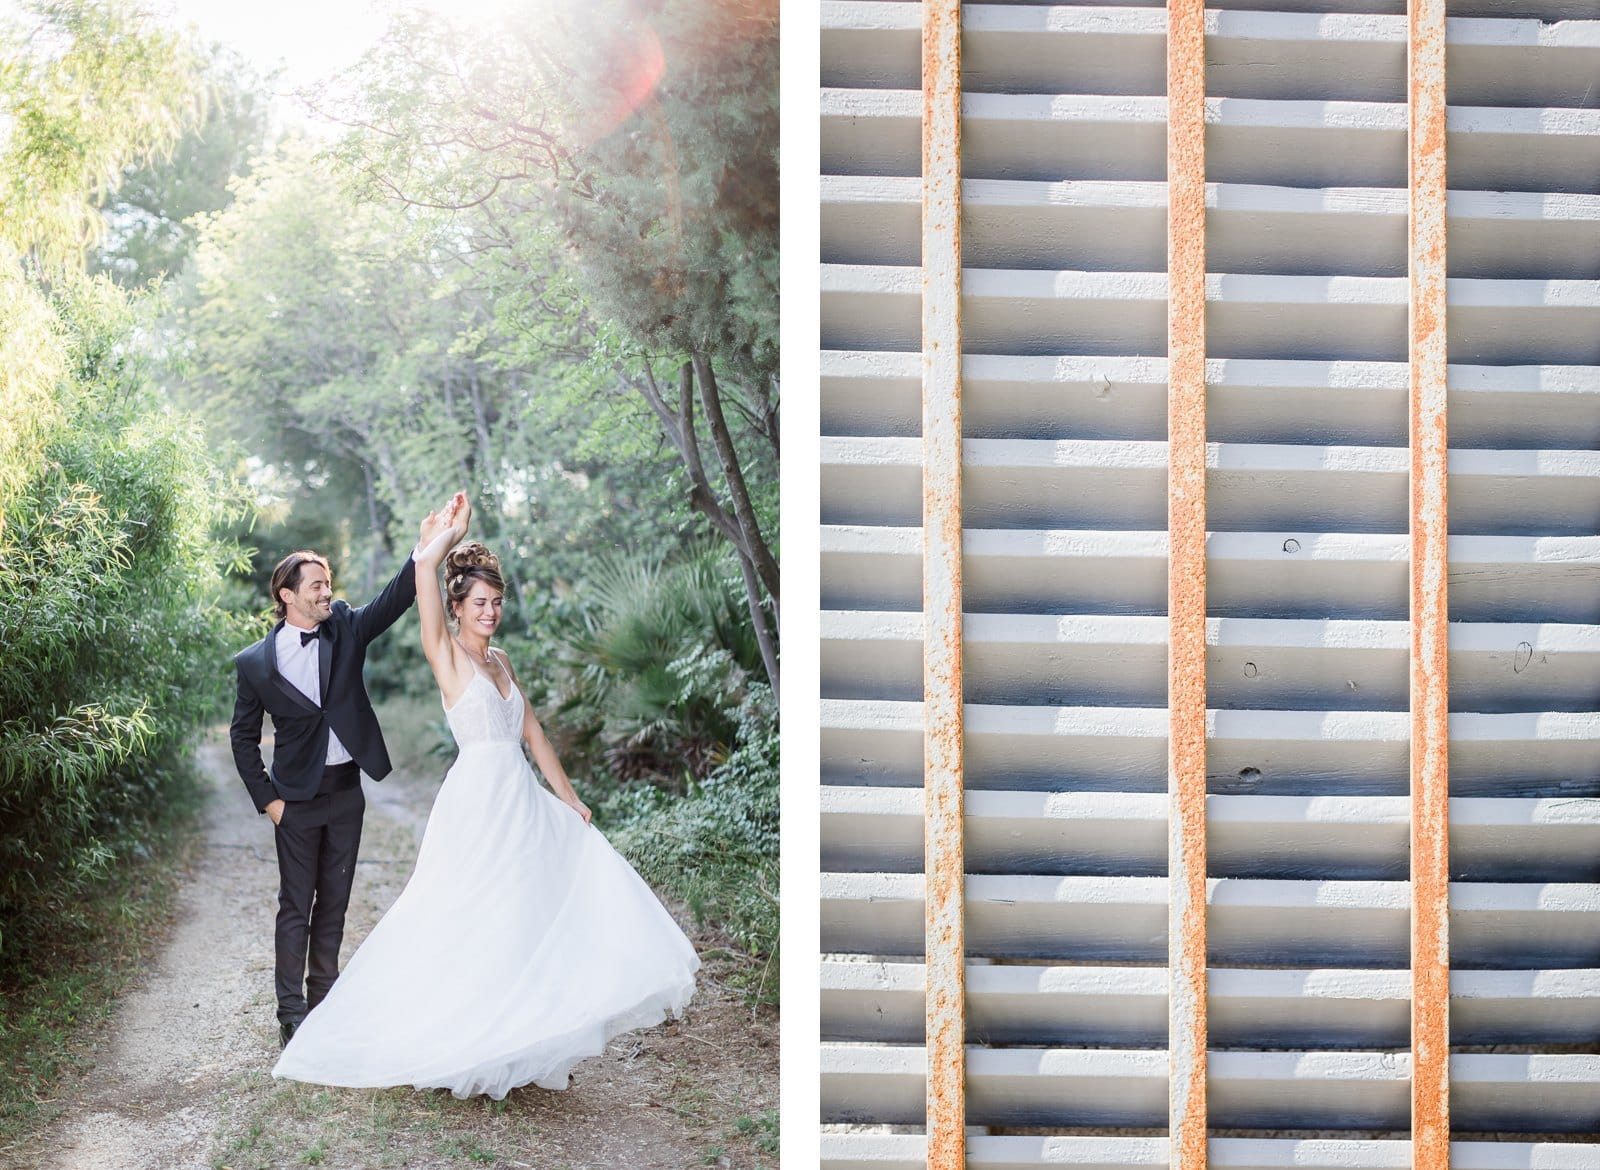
<point x="945" y="860"/>
<point x="1186" y="582"/>
<point x="1430" y="693"/>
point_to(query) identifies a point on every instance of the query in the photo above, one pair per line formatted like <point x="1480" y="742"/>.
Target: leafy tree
<point x="85" y="88"/>
<point x="88" y="88"/>
<point x="348" y="351"/>
<point x="627" y="148"/>
<point x="151" y="217"/>
<point x="107" y="498"/>
<point x="315" y="340"/>
<point x="114" y="643"/>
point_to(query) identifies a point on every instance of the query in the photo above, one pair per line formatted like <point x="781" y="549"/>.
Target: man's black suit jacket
<point x="301" y="726"/>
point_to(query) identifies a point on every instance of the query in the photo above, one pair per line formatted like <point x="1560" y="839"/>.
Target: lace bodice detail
<point x="481" y="715"/>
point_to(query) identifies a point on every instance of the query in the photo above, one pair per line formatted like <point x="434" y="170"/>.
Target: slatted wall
<point x="1309" y="665"/>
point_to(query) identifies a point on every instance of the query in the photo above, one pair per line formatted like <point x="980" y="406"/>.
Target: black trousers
<point x="317" y="843"/>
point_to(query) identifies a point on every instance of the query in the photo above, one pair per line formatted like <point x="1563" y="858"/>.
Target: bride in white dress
<point x="523" y="941"/>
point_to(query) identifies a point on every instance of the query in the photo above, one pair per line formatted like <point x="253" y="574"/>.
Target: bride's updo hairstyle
<point x="466" y="563"/>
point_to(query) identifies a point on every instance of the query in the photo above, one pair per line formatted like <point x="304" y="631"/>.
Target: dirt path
<point x="181" y="1077"/>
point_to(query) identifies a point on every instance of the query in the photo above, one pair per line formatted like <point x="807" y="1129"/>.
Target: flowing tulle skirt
<point x="522" y="943"/>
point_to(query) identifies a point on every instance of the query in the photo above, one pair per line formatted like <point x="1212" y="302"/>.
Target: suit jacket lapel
<point x="324" y="661"/>
<point x="285" y="687"/>
<point x="269" y="647"/>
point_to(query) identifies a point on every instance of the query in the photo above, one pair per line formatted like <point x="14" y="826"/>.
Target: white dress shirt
<point x="299" y="666"/>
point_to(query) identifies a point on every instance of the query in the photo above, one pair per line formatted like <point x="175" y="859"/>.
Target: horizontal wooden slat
<point x="1247" y="1007"/>
<point x="883" y="1151"/>
<point x="1550" y="10"/>
<point x="1285" y="923"/>
<point x="1110" y="397"/>
<point x="1492" y="839"/>
<point x="1320" y="664"/>
<point x="1335" y="1090"/>
<point x="1082" y="49"/>
<point x="1022" y="483"/>
<point x="1294" y="753"/>
<point x="1249" y="229"/>
<point x="1265" y="574"/>
<point x="1027" y="311"/>
<point x="1288" y="143"/>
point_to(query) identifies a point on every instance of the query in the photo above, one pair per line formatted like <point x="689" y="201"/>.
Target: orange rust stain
<point x="1430" y="873"/>
<point x="1186" y="580"/>
<point x="944" y="865"/>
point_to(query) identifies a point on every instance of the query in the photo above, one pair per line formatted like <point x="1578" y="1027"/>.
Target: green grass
<point x="468" y="1148"/>
<point x="49" y="1009"/>
<point x="762" y="1130"/>
<point x="747" y="1135"/>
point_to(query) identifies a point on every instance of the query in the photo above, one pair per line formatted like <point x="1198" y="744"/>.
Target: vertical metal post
<point x="1430" y="705"/>
<point x="941" y="582"/>
<point x="1186" y="582"/>
<point x="1186" y="930"/>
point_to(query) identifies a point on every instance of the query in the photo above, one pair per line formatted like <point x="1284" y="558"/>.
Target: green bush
<point x="660" y="666"/>
<point x="716" y="847"/>
<point x="114" y="650"/>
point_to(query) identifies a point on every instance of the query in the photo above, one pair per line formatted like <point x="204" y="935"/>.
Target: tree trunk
<point x="377" y="531"/>
<point x="758" y="617"/>
<point x="480" y="424"/>
<point x="743" y="534"/>
<point x="756" y="547"/>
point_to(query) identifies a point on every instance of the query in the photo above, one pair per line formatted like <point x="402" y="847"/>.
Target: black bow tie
<point x="311" y="635"/>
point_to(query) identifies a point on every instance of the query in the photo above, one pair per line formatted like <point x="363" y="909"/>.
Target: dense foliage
<point x="114" y="649"/>
<point x="113" y="646"/>
<point x="717" y="846"/>
<point x="613" y="166"/>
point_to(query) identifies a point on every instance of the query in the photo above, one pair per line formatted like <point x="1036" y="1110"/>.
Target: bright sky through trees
<point x="312" y="40"/>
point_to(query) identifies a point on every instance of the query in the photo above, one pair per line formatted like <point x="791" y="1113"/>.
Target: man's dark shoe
<point x="286" y="1032"/>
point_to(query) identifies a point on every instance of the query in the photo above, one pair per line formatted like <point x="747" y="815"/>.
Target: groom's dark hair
<point x="287" y="575"/>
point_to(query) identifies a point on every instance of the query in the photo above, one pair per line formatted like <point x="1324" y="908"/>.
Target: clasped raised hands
<point x="442" y="530"/>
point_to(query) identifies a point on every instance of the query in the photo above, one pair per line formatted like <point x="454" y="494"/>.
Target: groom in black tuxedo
<point x="306" y="674"/>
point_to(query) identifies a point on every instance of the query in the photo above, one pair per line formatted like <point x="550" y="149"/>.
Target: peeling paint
<point x="1186" y="582"/>
<point x="941" y="517"/>
<point x="1430" y="934"/>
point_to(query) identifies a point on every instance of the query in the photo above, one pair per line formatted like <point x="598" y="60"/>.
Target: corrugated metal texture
<point x="1307" y="642"/>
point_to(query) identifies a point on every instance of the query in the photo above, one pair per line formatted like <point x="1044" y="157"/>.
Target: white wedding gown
<point x="522" y="943"/>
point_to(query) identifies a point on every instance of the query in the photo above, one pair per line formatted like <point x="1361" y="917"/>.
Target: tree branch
<point x="756" y="547"/>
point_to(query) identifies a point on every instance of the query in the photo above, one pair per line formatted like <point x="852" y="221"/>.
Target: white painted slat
<point x="1123" y="749"/>
<point x="1050" y="137"/>
<point x="1287" y="574"/>
<point x="884" y="1151"/>
<point x="1357" y="231"/>
<point x="1251" y="662"/>
<point x="1549" y="10"/>
<point x="1493" y="839"/>
<point x="1248" y="1007"/>
<point x="1081" y="49"/>
<point x="1108" y="1087"/>
<point x="1289" y="923"/>
<point x="1026" y="483"/>
<point x="1029" y="311"/>
<point x="1363" y="403"/>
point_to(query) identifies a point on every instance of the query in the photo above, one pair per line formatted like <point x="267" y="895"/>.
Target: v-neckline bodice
<point x="490" y="682"/>
<point x="485" y="677"/>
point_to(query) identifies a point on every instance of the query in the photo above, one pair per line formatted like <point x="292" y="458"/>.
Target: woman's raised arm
<point x="449" y="663"/>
